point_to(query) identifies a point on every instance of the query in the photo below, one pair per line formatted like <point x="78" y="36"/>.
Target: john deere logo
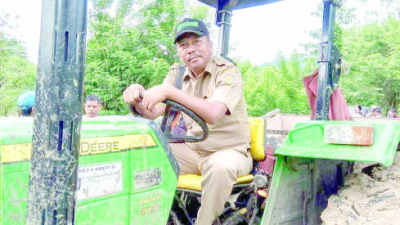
<point x="187" y="24"/>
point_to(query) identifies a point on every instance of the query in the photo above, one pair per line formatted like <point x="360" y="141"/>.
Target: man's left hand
<point x="155" y="95"/>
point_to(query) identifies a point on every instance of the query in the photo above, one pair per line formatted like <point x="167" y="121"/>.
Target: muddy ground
<point x="367" y="199"/>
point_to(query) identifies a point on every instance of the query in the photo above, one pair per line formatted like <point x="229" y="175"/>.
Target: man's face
<point x="195" y="51"/>
<point x="92" y="108"/>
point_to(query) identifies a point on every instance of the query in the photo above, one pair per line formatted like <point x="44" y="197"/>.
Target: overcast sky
<point x="257" y="33"/>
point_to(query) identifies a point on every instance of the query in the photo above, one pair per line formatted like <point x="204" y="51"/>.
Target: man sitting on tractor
<point x="212" y="88"/>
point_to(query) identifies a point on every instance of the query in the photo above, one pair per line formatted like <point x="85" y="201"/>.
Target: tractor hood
<point x="126" y="172"/>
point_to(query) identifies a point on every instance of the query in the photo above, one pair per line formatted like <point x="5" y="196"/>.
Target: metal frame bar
<point x="57" y="123"/>
<point x="223" y="21"/>
<point x="325" y="86"/>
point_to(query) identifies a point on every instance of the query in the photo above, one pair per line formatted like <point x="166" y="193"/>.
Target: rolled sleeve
<point x="229" y="88"/>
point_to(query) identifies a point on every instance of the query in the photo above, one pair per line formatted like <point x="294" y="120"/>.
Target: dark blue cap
<point x="189" y="25"/>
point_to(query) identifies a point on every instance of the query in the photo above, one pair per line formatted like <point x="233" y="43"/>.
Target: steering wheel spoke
<point x="170" y="113"/>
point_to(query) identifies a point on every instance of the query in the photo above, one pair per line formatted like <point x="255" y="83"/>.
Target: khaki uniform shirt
<point x="222" y="82"/>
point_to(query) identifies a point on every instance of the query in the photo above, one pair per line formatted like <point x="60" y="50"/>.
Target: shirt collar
<point x="207" y="70"/>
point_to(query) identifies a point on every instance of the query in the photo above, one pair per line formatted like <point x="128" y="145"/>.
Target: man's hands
<point x="149" y="106"/>
<point x="146" y="102"/>
<point x="155" y="95"/>
<point x="132" y="94"/>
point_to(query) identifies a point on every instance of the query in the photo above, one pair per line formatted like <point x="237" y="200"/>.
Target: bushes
<point x="17" y="74"/>
<point x="280" y="86"/>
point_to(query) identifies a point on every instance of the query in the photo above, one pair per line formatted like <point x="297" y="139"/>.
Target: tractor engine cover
<point x="126" y="175"/>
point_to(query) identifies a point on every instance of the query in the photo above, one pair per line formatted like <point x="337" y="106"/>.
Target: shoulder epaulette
<point x="221" y="61"/>
<point x="174" y="66"/>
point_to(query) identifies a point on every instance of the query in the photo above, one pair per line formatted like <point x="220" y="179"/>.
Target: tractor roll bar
<point x="57" y="123"/>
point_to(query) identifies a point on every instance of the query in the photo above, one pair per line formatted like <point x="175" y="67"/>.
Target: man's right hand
<point x="133" y="93"/>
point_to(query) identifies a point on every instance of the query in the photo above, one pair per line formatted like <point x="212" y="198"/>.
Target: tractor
<point x="59" y="169"/>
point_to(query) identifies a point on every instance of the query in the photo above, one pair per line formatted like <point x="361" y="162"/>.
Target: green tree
<point x="278" y="86"/>
<point x="17" y="73"/>
<point x="133" y="46"/>
<point x="373" y="54"/>
<point x="370" y="51"/>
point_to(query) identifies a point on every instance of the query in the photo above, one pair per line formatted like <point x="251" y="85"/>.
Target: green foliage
<point x="122" y="52"/>
<point x="373" y="55"/>
<point x="133" y="46"/>
<point x="17" y="73"/>
<point x="371" y="51"/>
<point x="277" y="86"/>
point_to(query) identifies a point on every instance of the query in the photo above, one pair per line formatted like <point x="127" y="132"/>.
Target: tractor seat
<point x="257" y="150"/>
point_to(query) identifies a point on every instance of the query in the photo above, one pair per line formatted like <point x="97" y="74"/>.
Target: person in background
<point x="26" y="103"/>
<point x="365" y="111"/>
<point x="378" y="111"/>
<point x="375" y="112"/>
<point x="92" y="106"/>
<point x="358" y="111"/>
<point x="392" y="114"/>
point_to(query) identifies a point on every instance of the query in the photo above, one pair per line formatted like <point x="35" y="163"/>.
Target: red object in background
<point x="338" y="109"/>
<point x="268" y="163"/>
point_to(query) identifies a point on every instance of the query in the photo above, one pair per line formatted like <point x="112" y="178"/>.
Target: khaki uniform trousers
<point x="219" y="171"/>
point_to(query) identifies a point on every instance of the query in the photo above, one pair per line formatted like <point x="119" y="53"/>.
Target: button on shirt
<point x="221" y="81"/>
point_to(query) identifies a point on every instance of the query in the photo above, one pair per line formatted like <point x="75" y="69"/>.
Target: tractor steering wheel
<point x="170" y="112"/>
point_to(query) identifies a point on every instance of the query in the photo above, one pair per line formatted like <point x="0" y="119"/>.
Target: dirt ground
<point x="367" y="199"/>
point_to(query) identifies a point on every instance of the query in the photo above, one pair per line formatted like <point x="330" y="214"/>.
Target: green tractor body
<point x="126" y="172"/>
<point x="309" y="169"/>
